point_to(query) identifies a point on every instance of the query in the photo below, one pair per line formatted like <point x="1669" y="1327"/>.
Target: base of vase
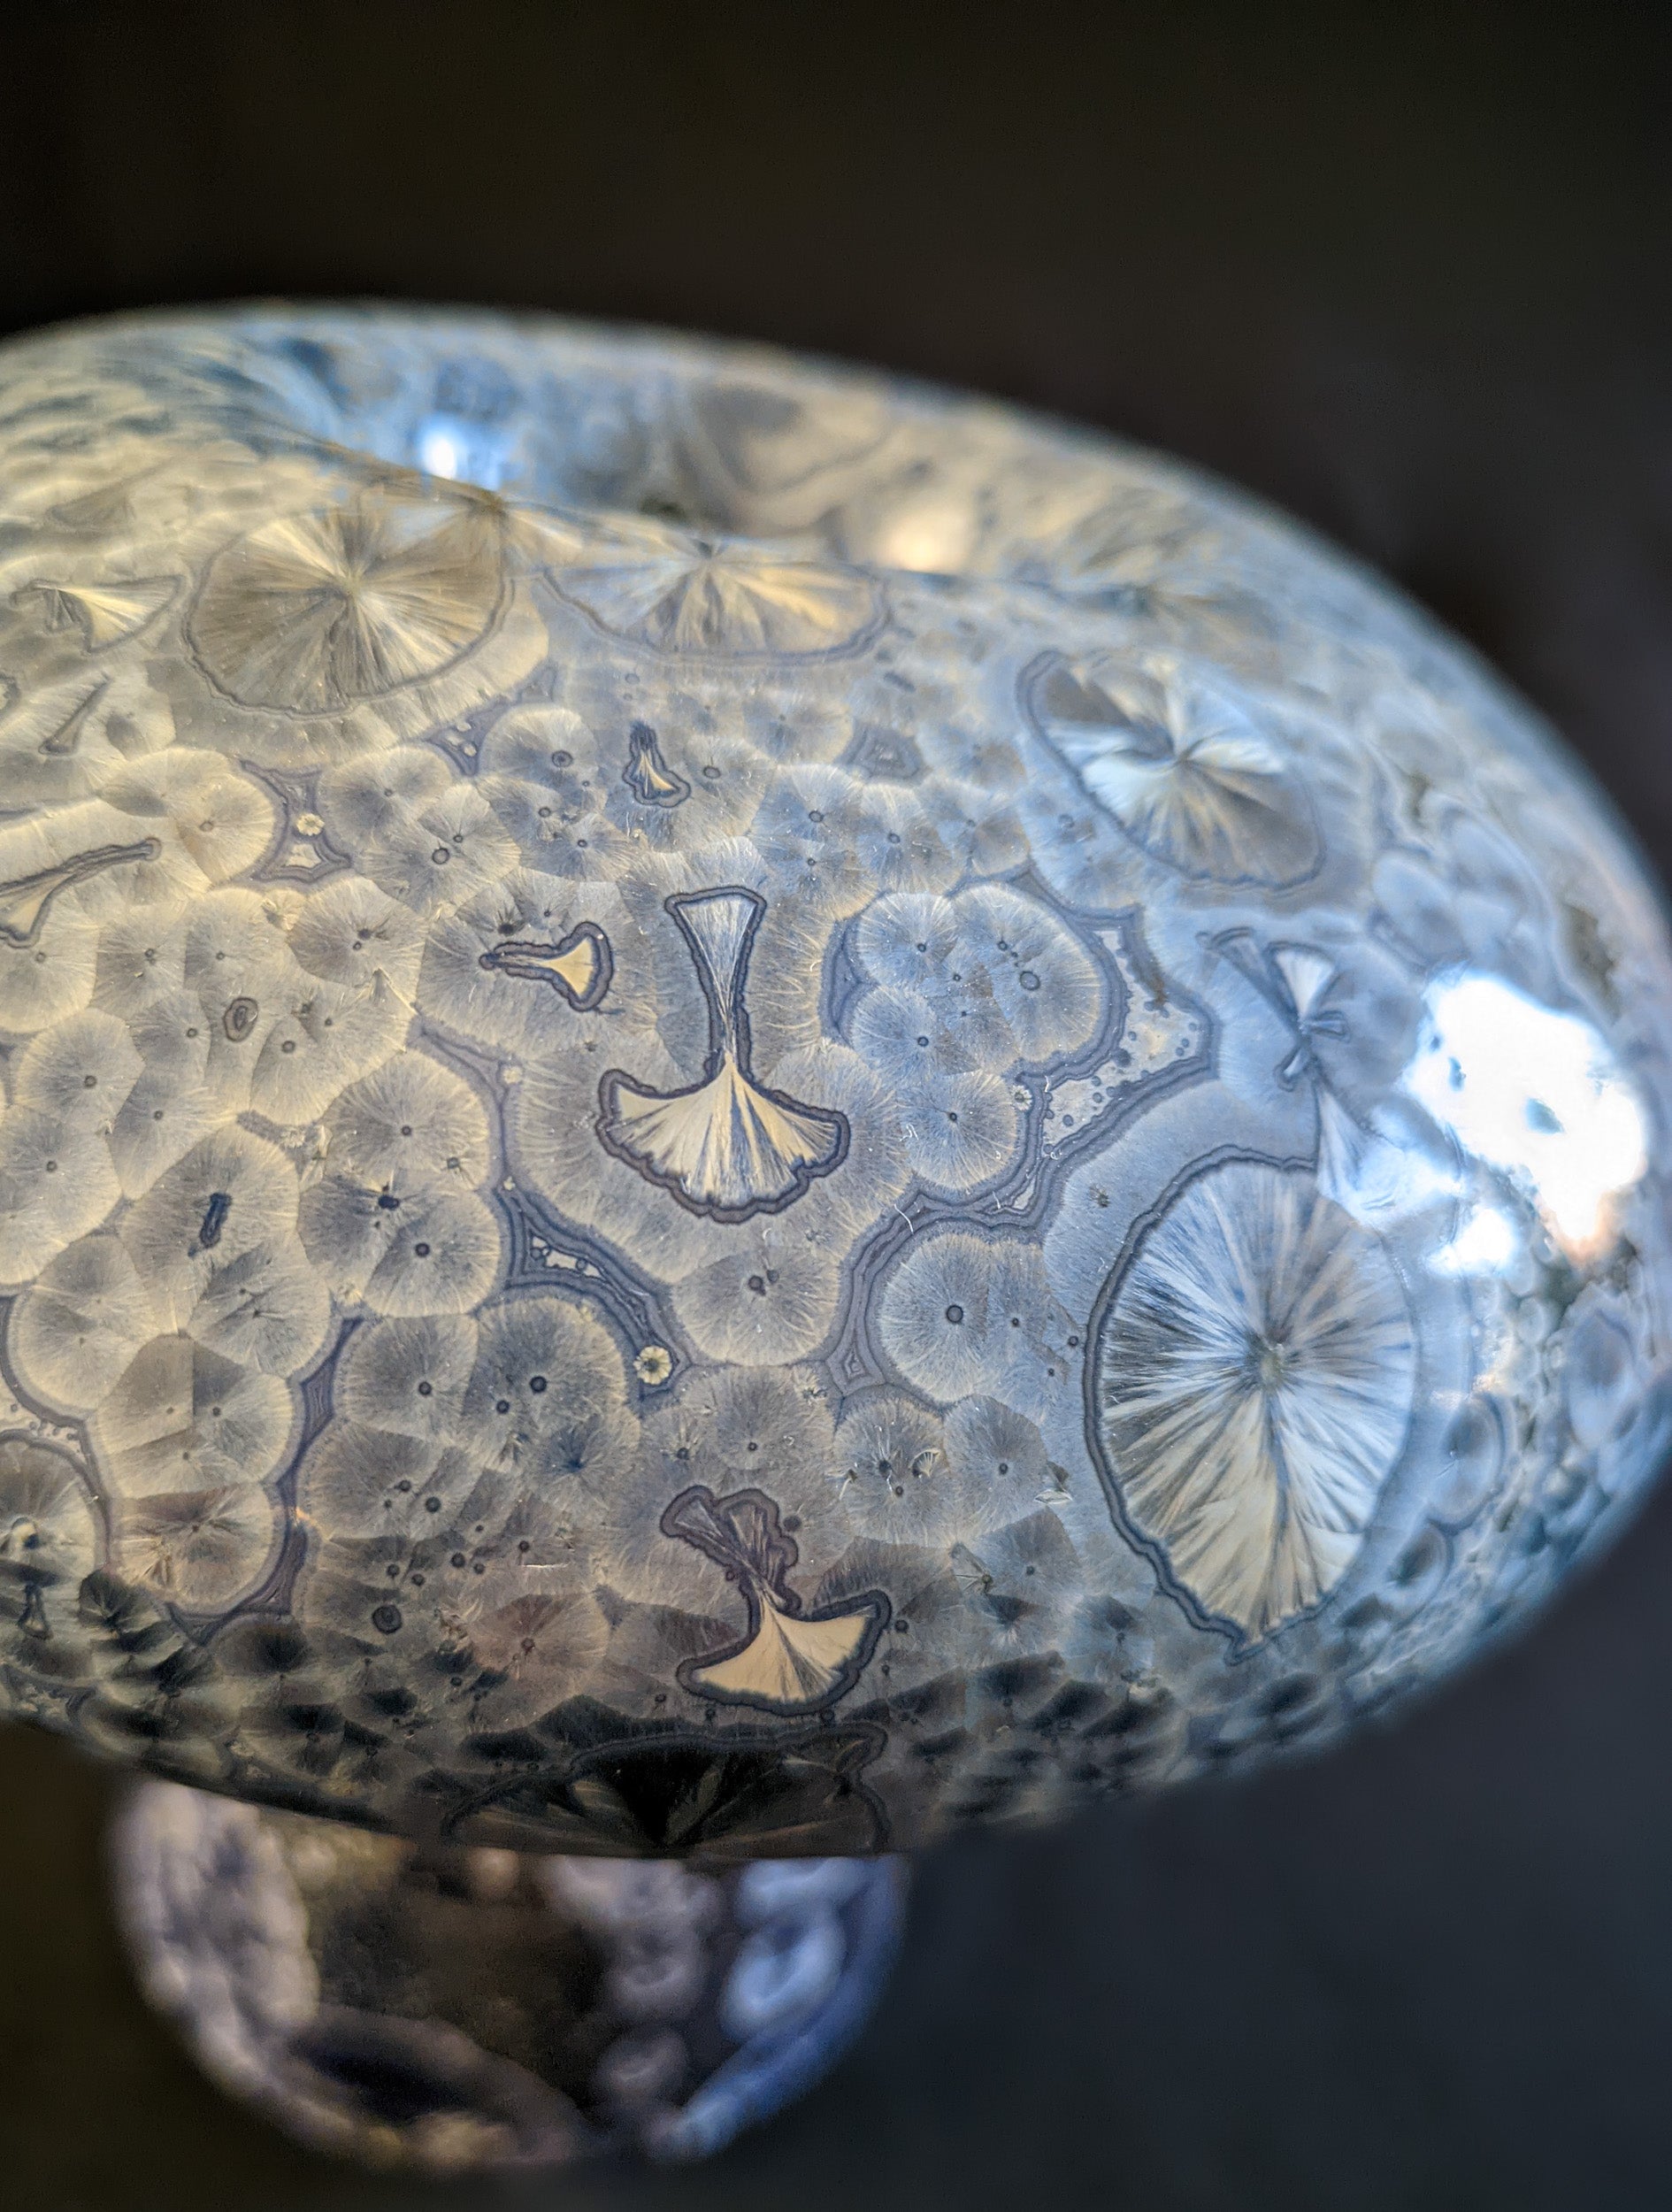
<point x="446" y="2009"/>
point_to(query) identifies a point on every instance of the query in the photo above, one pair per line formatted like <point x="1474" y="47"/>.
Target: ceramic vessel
<point x="446" y="2009"/>
<point x="750" y="1112"/>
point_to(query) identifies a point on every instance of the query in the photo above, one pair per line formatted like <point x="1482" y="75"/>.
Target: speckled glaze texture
<point x="752" y="1113"/>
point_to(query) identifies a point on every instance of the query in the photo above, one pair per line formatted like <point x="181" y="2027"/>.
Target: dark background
<point x="1405" y="271"/>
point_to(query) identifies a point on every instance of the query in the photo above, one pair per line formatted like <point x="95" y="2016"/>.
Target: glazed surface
<point x="749" y="1112"/>
<point x="447" y="2010"/>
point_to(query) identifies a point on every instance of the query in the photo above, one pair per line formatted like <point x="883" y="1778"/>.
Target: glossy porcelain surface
<point x="752" y="1112"/>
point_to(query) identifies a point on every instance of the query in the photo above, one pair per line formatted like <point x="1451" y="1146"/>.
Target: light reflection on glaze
<point x="1537" y="1094"/>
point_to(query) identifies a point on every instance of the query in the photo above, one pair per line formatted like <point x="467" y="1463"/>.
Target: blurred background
<point x="1403" y="270"/>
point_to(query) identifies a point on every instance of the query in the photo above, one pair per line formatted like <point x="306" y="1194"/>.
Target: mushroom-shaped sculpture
<point x="818" y="1114"/>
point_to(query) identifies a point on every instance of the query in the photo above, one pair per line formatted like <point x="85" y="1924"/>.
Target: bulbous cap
<point x="749" y="1112"/>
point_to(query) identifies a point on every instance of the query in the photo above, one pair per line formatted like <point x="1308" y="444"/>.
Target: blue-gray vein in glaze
<point x="752" y="1112"/>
